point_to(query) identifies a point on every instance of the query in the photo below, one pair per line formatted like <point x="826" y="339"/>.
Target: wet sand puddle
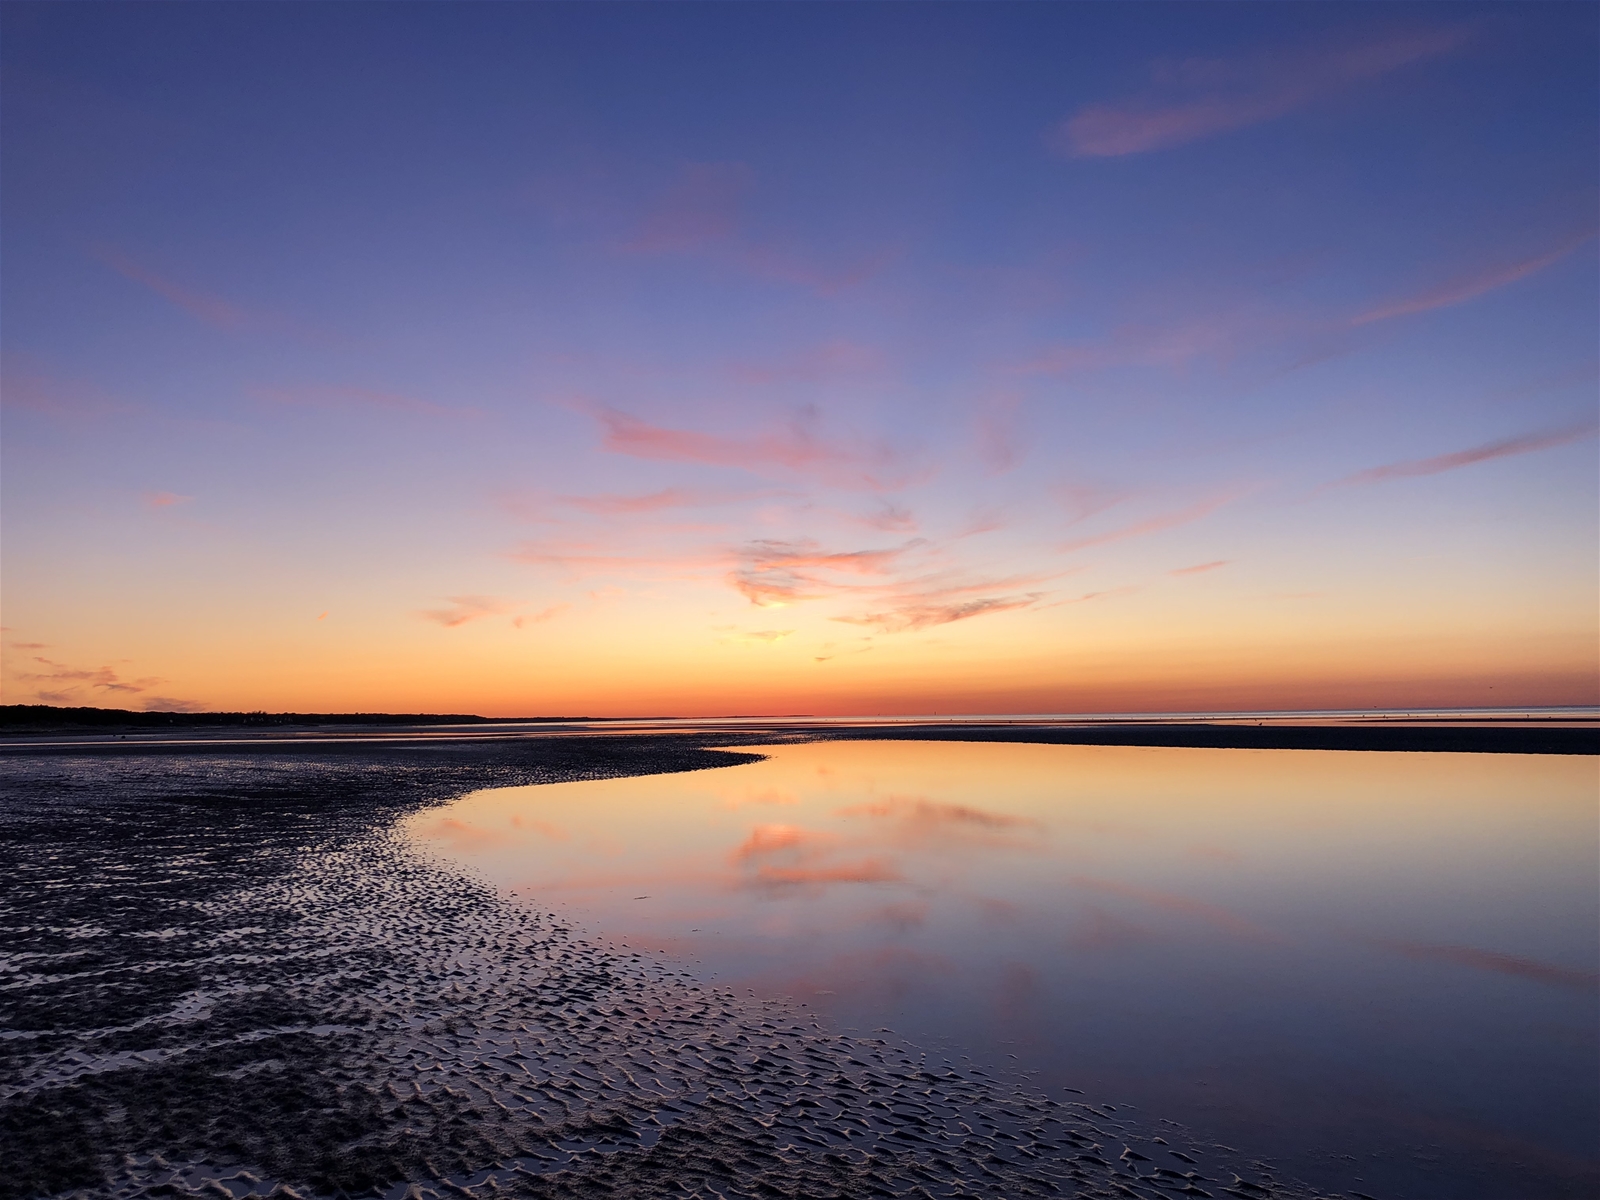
<point x="235" y="979"/>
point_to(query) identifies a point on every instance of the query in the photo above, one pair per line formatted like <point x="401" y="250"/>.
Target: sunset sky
<point x="706" y="359"/>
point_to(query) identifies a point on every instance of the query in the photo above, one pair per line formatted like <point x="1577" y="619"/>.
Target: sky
<point x="613" y="359"/>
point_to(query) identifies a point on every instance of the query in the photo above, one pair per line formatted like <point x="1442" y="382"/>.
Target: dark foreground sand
<point x="224" y="975"/>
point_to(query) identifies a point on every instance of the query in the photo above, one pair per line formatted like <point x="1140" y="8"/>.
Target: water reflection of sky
<point x="1304" y="954"/>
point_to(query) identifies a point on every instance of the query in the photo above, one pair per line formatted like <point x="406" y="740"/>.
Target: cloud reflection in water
<point x="1269" y="945"/>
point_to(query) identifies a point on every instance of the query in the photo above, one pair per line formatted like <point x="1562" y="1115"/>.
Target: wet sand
<point x="226" y="974"/>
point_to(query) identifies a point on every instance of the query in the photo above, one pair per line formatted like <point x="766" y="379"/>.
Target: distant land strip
<point x="1511" y="736"/>
<point x="1460" y="739"/>
<point x="49" y="716"/>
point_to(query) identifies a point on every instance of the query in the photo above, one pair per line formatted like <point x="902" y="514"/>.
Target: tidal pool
<point x="1377" y="969"/>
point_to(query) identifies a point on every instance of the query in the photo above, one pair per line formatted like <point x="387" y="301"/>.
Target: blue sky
<point x="846" y="356"/>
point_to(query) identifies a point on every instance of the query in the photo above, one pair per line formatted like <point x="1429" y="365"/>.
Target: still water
<point x="1378" y="969"/>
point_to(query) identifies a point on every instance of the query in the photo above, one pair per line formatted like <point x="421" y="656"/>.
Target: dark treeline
<point x="48" y="716"/>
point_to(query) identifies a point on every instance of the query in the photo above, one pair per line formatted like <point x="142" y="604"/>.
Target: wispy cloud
<point x="773" y="573"/>
<point x="700" y="207"/>
<point x="797" y="449"/>
<point x="913" y="584"/>
<point x="756" y="637"/>
<point x="787" y="266"/>
<point x="164" y="499"/>
<point x="899" y="589"/>
<point x="783" y="857"/>
<point x="1219" y="334"/>
<point x="772" y="877"/>
<point x="1157" y="524"/>
<point x="1187" y="906"/>
<point x="538" y="618"/>
<point x="910" y="617"/>
<point x="1085" y="500"/>
<point x="922" y="811"/>
<point x="996" y="441"/>
<point x="1099" y="930"/>
<point x="62" y="683"/>
<point x="888" y="517"/>
<point x="344" y="397"/>
<point x="28" y="386"/>
<point x="1495" y="962"/>
<point x="1197" y="98"/>
<point x="666" y="498"/>
<point x="1200" y="568"/>
<point x="786" y="840"/>
<point x="1470" y="287"/>
<point x="172" y="704"/>
<point x="1525" y="443"/>
<point x="703" y="212"/>
<point x="609" y="555"/>
<point x="466" y="608"/>
<point x="212" y="309"/>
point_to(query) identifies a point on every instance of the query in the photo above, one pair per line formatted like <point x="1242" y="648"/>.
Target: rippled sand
<point x="225" y="974"/>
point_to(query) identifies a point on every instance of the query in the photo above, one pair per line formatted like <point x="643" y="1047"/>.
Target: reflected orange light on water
<point x="1172" y="833"/>
<point x="1294" y="949"/>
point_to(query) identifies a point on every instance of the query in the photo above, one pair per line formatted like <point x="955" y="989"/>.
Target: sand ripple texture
<point x="224" y="975"/>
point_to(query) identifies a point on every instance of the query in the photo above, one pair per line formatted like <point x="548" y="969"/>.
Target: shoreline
<point x="1510" y="736"/>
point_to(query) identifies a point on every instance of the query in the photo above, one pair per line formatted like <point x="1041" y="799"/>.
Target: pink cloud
<point x="1214" y="914"/>
<point x="871" y="870"/>
<point x="926" y="815"/>
<point x="797" y="449"/>
<point x="49" y="682"/>
<point x="1172" y="520"/>
<point x="666" y="498"/>
<point x="26" y="387"/>
<point x="767" y="840"/>
<point x="1215" y="335"/>
<point x="781" y="572"/>
<point x="700" y="207"/>
<point x="783" y="266"/>
<point x="543" y="507"/>
<point x="904" y="596"/>
<point x="1470" y="287"/>
<point x="544" y="614"/>
<point x="343" y="397"/>
<point x="466" y="608"/>
<point x="1494" y="961"/>
<point x="757" y="637"/>
<point x="164" y="499"/>
<point x="1200" y="568"/>
<point x="1102" y="931"/>
<point x="1504" y="448"/>
<point x="888" y="517"/>
<point x="1085" y="500"/>
<point x="908" y="618"/>
<point x="213" y="310"/>
<point x="1199" y="98"/>
<point x="785" y="856"/>
<point x="702" y="212"/>
<point x="997" y="442"/>
<point x="598" y="556"/>
<point x="613" y="506"/>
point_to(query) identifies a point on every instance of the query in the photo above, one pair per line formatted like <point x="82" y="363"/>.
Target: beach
<point x="227" y="973"/>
